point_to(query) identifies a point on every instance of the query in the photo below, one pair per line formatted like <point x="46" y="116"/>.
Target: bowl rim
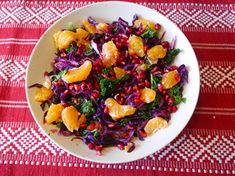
<point x="197" y="89"/>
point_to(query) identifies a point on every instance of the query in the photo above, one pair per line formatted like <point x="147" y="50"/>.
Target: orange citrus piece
<point x="109" y="54"/>
<point x="70" y="118"/>
<point x="54" y="113"/>
<point x="119" y="72"/>
<point x="169" y="79"/>
<point x="145" y="24"/>
<point x="78" y="74"/>
<point x="88" y="26"/>
<point x="64" y="38"/>
<point x="154" y="125"/>
<point x="147" y="95"/>
<point x="136" y="46"/>
<point x="155" y="53"/>
<point x="42" y="94"/>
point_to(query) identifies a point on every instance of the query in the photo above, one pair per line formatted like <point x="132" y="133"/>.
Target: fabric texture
<point x="205" y="146"/>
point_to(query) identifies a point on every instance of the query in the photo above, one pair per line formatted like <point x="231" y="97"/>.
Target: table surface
<point x="206" y="145"/>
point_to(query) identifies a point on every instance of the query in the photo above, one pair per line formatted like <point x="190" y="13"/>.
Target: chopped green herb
<point x="107" y="86"/>
<point x="124" y="78"/>
<point x="88" y="51"/>
<point x="71" y="27"/>
<point x="124" y="121"/>
<point x="115" y="29"/>
<point x="95" y="133"/>
<point x="60" y="125"/>
<point x="59" y="75"/>
<point x="154" y="80"/>
<point x="149" y="33"/>
<point x="69" y="49"/>
<point x="87" y="108"/>
<point x="83" y="132"/>
<point x="171" y="54"/>
<point x="107" y="70"/>
<point x="176" y="93"/>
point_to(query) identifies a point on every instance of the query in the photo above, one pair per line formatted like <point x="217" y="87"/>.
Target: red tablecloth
<point x="207" y="144"/>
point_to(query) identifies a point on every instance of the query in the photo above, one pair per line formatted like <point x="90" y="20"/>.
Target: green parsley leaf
<point x="154" y="80"/>
<point x="171" y="54"/>
<point x="69" y="49"/>
<point x="176" y="93"/>
<point x="59" y="75"/>
<point x="87" y="108"/>
<point x="124" y="78"/>
<point x="60" y="125"/>
<point x="95" y="133"/>
<point x="115" y="29"/>
<point x="88" y="51"/>
<point x="107" y="86"/>
<point x="107" y="70"/>
<point x="149" y="33"/>
<point x="123" y="121"/>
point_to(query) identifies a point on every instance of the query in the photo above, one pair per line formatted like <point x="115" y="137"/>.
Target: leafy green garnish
<point x="83" y="132"/>
<point x="88" y="51"/>
<point x="107" y="86"/>
<point x="106" y="70"/>
<point x="149" y="33"/>
<point x="124" y="121"/>
<point x="124" y="78"/>
<point x="115" y="29"/>
<point x="69" y="49"/>
<point x="176" y="93"/>
<point x="60" y="125"/>
<point x="59" y="75"/>
<point x="87" y="108"/>
<point x="71" y="26"/>
<point x="171" y="54"/>
<point x="95" y="133"/>
<point x="154" y="80"/>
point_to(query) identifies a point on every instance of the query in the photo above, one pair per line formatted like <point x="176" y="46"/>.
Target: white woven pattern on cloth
<point x="188" y="16"/>
<point x="193" y="151"/>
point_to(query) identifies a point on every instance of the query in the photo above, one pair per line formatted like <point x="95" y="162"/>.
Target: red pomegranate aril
<point x="60" y="82"/>
<point x="147" y="84"/>
<point x="91" y="146"/>
<point x="84" y="125"/>
<point x="174" y="109"/>
<point x="77" y="87"/>
<point x="111" y="125"/>
<point x="173" y="67"/>
<point x="142" y="133"/>
<point x="166" y="70"/>
<point x="129" y="127"/>
<point x="154" y="69"/>
<point x="166" y="97"/>
<point x="98" y="147"/>
<point x="122" y="95"/>
<point x="98" y="153"/>
<point x="71" y="86"/>
<point x="165" y="44"/>
<point x="92" y="126"/>
<point x="83" y="85"/>
<point x="75" y="100"/>
<point x="136" y="87"/>
<point x="170" y="101"/>
<point x="137" y="100"/>
<point x="95" y="94"/>
<point x="164" y="92"/>
<point x="89" y="86"/>
<point x="160" y="87"/>
<point x="128" y="72"/>
<point x="130" y="30"/>
<point x="128" y="90"/>
<point x="123" y="63"/>
<point x="46" y="73"/>
<point x="120" y="146"/>
<point x="141" y="84"/>
<point x="120" y="101"/>
<point x="56" y="83"/>
<point x="106" y="110"/>
<point x="66" y="92"/>
<point x="169" y="108"/>
<point x="112" y="73"/>
<point x="177" y="77"/>
<point x="157" y="26"/>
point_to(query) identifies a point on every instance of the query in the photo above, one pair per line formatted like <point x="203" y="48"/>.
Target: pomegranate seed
<point x="142" y="133"/>
<point x="160" y="87"/>
<point x="71" y="87"/>
<point x="120" y="146"/>
<point x="154" y="69"/>
<point x="140" y="76"/>
<point x="141" y="84"/>
<point x="177" y="77"/>
<point x="166" y="70"/>
<point x="157" y="26"/>
<point x="46" y="73"/>
<point x="136" y="87"/>
<point x="165" y="44"/>
<point x="83" y="85"/>
<point x="137" y="100"/>
<point x="95" y="94"/>
<point x="66" y="92"/>
<point x="105" y="76"/>
<point x="173" y="67"/>
<point x="129" y="127"/>
<point x="128" y="72"/>
<point x="123" y="63"/>
<point x="128" y="90"/>
<point x="106" y="110"/>
<point x="56" y="83"/>
<point x="174" y="109"/>
<point x="111" y="125"/>
<point x="98" y="147"/>
<point x="60" y="82"/>
<point x="126" y="54"/>
<point x="89" y="86"/>
<point x="90" y="146"/>
<point x="169" y="108"/>
<point x="77" y="87"/>
<point x="112" y="73"/>
<point x="75" y="101"/>
<point x="130" y="30"/>
<point x="164" y="92"/>
<point x="92" y="126"/>
<point x="166" y="97"/>
<point x="120" y="101"/>
<point x="84" y="125"/>
<point x="147" y="84"/>
<point x="98" y="153"/>
<point x="170" y="101"/>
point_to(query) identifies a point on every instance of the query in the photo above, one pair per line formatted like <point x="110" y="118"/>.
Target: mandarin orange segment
<point x="101" y="27"/>
<point x="54" y="113"/>
<point x="82" y="34"/>
<point x="154" y="125"/>
<point x="70" y="118"/>
<point x="88" y="26"/>
<point x="145" y="24"/>
<point x="81" y="120"/>
<point x="141" y="67"/>
<point x="42" y="94"/>
<point x="136" y="46"/>
<point x="119" y="72"/>
<point x="147" y="95"/>
<point x="109" y="54"/>
<point x="169" y="79"/>
<point x="117" y="111"/>
<point x="155" y="53"/>
<point x="78" y="74"/>
<point x="64" y="38"/>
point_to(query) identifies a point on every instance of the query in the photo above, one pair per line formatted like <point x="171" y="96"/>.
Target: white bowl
<point x="43" y="54"/>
